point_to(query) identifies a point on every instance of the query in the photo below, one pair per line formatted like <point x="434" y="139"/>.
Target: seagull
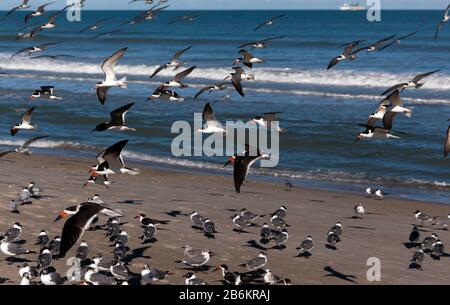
<point x="268" y="22"/>
<point x="421" y="217"/>
<point x="347" y="54"/>
<point x="428" y="242"/>
<point x="445" y="19"/>
<point x="376" y="45"/>
<point x="120" y="250"/>
<point x="121" y="238"/>
<point x="112" y="160"/>
<point x="280" y="237"/>
<point x="418" y="257"/>
<point x="101" y="263"/>
<point x="198" y="260"/>
<point x="44" y="258"/>
<point x="242" y="166"/>
<point x="442" y="221"/>
<point x="397" y="41"/>
<point x="82" y="251"/>
<point x="24" y="5"/>
<point x="96" y="278"/>
<point x="37" y="12"/>
<point x="150" y="274"/>
<point x="281" y="212"/>
<point x="46" y="92"/>
<point x="369" y="192"/>
<point x="186" y="18"/>
<point x="110" y="76"/>
<point x="337" y="228"/>
<point x="34" y="49"/>
<point x="50" y="24"/>
<point x="174" y="62"/>
<point x="12" y="249"/>
<point x="23" y="149"/>
<point x="192" y="279"/>
<point x="306" y="245"/>
<point x="267" y="119"/>
<point x="211" y="88"/>
<point x="93" y="26"/>
<point x="31" y="270"/>
<point x="42" y="239"/>
<point x="277" y="221"/>
<point x="13" y="233"/>
<point x="228" y="277"/>
<point x="247" y="59"/>
<point x="197" y="219"/>
<point x="189" y="251"/>
<point x="447" y="143"/>
<point x="380" y="194"/>
<point x="25" y="124"/>
<point x="55" y="245"/>
<point x="176" y="82"/>
<point x="415" y="82"/>
<point x="265" y="232"/>
<point x="437" y="249"/>
<point x="163" y="93"/>
<point x="414" y="236"/>
<point x="261" y="44"/>
<point x="208" y="226"/>
<point x="50" y="277"/>
<point x="79" y="222"/>
<point x="236" y="77"/>
<point x="149" y="233"/>
<point x="241" y="222"/>
<point x="117" y="120"/>
<point x="211" y="123"/>
<point x="120" y="271"/>
<point x="250" y="216"/>
<point x="51" y="57"/>
<point x="258" y="262"/>
<point x="146" y="15"/>
<point x="271" y="278"/>
<point x="359" y="210"/>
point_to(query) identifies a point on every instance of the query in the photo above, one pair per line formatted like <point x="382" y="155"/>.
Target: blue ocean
<point x="321" y="109"/>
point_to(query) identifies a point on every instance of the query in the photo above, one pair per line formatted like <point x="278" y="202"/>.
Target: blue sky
<point x="244" y="4"/>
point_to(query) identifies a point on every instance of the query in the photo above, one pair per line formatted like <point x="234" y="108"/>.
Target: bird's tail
<point x="123" y="82"/>
<point x="131" y="171"/>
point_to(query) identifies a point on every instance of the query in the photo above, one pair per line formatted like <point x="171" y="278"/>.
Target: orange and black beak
<point x="61" y="216"/>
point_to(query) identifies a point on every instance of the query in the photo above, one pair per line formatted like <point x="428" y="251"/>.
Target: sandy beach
<point x="157" y="193"/>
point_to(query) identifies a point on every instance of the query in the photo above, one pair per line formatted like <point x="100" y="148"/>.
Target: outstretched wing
<point x="28" y="142"/>
<point x="109" y="64"/>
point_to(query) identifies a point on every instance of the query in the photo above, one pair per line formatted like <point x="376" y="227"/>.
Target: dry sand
<point x="380" y="234"/>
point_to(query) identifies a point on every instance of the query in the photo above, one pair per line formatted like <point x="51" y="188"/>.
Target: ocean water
<point x="321" y="109"/>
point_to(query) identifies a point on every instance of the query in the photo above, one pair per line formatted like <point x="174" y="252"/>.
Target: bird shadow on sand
<point x="415" y="266"/>
<point x="149" y="241"/>
<point x="137" y="253"/>
<point x="410" y="245"/>
<point x="316" y="200"/>
<point x="361" y="228"/>
<point x="19" y="242"/>
<point x="12" y="260"/>
<point x="215" y="194"/>
<point x="203" y="268"/>
<point x="304" y="254"/>
<point x="331" y="247"/>
<point x="175" y="213"/>
<point x="254" y="244"/>
<point x="132" y="201"/>
<point x="345" y="277"/>
<point x="438" y="257"/>
<point x="241" y="231"/>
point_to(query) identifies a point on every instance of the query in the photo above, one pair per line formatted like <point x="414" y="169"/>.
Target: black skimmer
<point x="242" y="166"/>
<point x="236" y="77"/>
<point x="228" y="277"/>
<point x="184" y="18"/>
<point x="44" y="258"/>
<point x="99" y="179"/>
<point x="145" y="221"/>
<point x="176" y="82"/>
<point x="414" y="236"/>
<point x="192" y="279"/>
<point x="55" y="244"/>
<point x="261" y="43"/>
<point x="247" y="59"/>
<point x="271" y="278"/>
<point x="12" y="249"/>
<point x="13" y="233"/>
<point x="359" y="210"/>
<point x="375" y="132"/>
<point x="50" y="277"/>
<point x="42" y="239"/>
<point x="93" y="26"/>
<point x="95" y="278"/>
<point x="444" y="19"/>
<point x="50" y="24"/>
<point x="422" y="217"/>
<point x="347" y="54"/>
<point x="397" y="41"/>
<point x="34" y="49"/>
<point x="120" y="271"/>
<point x="414" y="83"/>
<point x="145" y="1"/>
<point x="82" y="251"/>
<point x="268" y="22"/>
<point x="447" y="143"/>
<point x="165" y="94"/>
<point x="80" y="3"/>
<point x="110" y="76"/>
<point x="280" y="238"/>
<point x="240" y="222"/>
<point x="211" y="88"/>
<point x="23" y="149"/>
<point x="256" y="263"/>
<point x="174" y="62"/>
<point x="117" y="120"/>
<point x="39" y="11"/>
<point x="306" y="245"/>
<point x="25" y="124"/>
<point x="79" y="222"/>
<point x="417" y="259"/>
<point x="376" y="45"/>
<point x="24" y="5"/>
<point x="198" y="260"/>
<point x="111" y="161"/>
<point x="267" y="119"/>
<point x="196" y="219"/>
<point x="46" y="92"/>
<point x="151" y="274"/>
<point x="211" y="123"/>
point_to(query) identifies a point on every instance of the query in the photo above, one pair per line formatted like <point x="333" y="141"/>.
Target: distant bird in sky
<point x="39" y="11"/>
<point x="261" y="43"/>
<point x="268" y="22"/>
<point x="174" y="62"/>
<point x="347" y="54"/>
<point x="34" y="49"/>
<point x="397" y="41"/>
<point x="50" y="24"/>
<point x="184" y="18"/>
<point x="24" y="5"/>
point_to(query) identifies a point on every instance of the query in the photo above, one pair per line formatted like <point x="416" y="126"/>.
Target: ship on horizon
<point x="352" y="7"/>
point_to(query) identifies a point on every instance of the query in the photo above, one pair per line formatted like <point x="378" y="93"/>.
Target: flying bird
<point x="445" y="19"/>
<point x="176" y="82"/>
<point x="93" y="26"/>
<point x="267" y="119"/>
<point x="24" y="5"/>
<point x="25" y="124"/>
<point x="117" y="120"/>
<point x="51" y="22"/>
<point x="111" y="161"/>
<point x="247" y="59"/>
<point x="268" y="22"/>
<point x="397" y="41"/>
<point x="174" y="62"/>
<point x="347" y="54"/>
<point x="261" y="44"/>
<point x="34" y="49"/>
<point x="211" y="88"/>
<point x="415" y="82"/>
<point x="23" y="149"/>
<point x="242" y="166"/>
<point x="37" y="12"/>
<point x="212" y="125"/>
<point x="185" y="18"/>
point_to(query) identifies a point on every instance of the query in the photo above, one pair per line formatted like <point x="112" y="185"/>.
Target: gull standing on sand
<point x="82" y="251"/>
<point x="117" y="120"/>
<point x="110" y="76"/>
<point x="50" y="277"/>
<point x="255" y="263"/>
<point x="442" y="221"/>
<point x="25" y="124"/>
<point x="12" y="249"/>
<point x="198" y="260"/>
<point x="428" y="242"/>
<point x="445" y="19"/>
<point x="151" y="274"/>
<point x="196" y="219"/>
<point x="42" y="239"/>
<point x="174" y="62"/>
<point x="280" y="238"/>
<point x="192" y="279"/>
<point x="250" y="216"/>
<point x="265" y="232"/>
<point x="359" y="210"/>
<point x="268" y="22"/>
<point x="417" y="258"/>
<point x="422" y="218"/>
<point x="241" y="222"/>
<point x="271" y="278"/>
<point x="211" y="123"/>
<point x="414" y="83"/>
<point x="306" y="245"/>
<point x="380" y="194"/>
<point x="13" y="233"/>
<point x="277" y="221"/>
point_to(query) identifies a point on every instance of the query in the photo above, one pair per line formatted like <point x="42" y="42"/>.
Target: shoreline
<point x="157" y="193"/>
